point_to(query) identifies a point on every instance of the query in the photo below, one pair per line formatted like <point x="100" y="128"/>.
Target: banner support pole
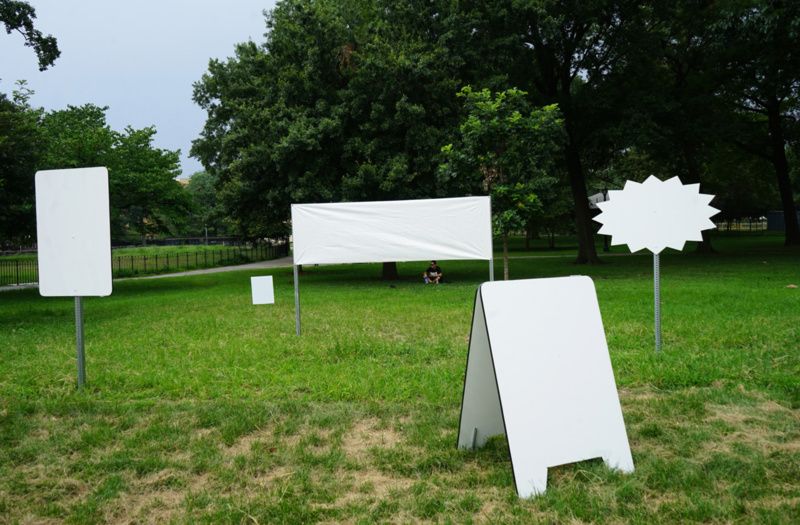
<point x="491" y="269"/>
<point x="296" y="300"/>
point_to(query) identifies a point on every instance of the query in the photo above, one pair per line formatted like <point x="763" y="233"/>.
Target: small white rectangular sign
<point x="73" y="232"/>
<point x="262" y="290"/>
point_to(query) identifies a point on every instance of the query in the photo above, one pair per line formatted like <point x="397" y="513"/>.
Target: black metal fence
<point x="742" y="225"/>
<point x="18" y="271"/>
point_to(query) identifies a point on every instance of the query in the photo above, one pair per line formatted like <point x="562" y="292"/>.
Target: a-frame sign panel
<point x="539" y="371"/>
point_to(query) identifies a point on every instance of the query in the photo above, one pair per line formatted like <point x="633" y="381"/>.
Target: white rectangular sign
<point x="539" y="372"/>
<point x="73" y="232"/>
<point x="262" y="289"/>
<point x="410" y="230"/>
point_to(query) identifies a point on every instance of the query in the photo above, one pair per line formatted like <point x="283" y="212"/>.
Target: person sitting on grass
<point x="433" y="275"/>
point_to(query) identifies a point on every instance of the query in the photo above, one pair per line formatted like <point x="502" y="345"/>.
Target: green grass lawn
<point x="203" y="408"/>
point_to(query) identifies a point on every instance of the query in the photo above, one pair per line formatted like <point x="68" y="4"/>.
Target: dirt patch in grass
<point x="367" y="434"/>
<point x="754" y="426"/>
<point x="268" y="479"/>
<point x="638" y="394"/>
<point x="156" y="498"/>
<point x="367" y="483"/>
<point x="245" y="443"/>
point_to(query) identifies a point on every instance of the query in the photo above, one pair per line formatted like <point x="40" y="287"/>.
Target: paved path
<point x="283" y="262"/>
<point x="286" y="262"/>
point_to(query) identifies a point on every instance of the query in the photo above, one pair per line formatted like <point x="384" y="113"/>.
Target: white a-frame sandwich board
<point x="538" y="371"/>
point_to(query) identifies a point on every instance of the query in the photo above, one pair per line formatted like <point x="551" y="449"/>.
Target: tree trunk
<point x="505" y="256"/>
<point x="693" y="171"/>
<point x="778" y="145"/>
<point x="551" y="241"/>
<point x="705" y="245"/>
<point x="587" y="253"/>
<point x="390" y="271"/>
<point x="528" y="235"/>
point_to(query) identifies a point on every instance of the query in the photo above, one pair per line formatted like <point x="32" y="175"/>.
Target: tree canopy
<point x="19" y="17"/>
<point x="508" y="150"/>
<point x="145" y="198"/>
<point x="352" y="100"/>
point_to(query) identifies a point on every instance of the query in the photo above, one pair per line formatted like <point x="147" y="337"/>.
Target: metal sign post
<point x="657" y="299"/>
<point x="79" y="341"/>
<point x="73" y="237"/>
<point x="296" y="300"/>
<point x="491" y="269"/>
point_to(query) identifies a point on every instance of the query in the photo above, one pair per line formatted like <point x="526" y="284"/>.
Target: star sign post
<point x="655" y="215"/>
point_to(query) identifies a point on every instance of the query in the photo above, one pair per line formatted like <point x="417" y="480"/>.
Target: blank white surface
<point x="556" y="386"/>
<point x="480" y="391"/>
<point x="262" y="290"/>
<point x="656" y="214"/>
<point x="410" y="230"/>
<point x="73" y="232"/>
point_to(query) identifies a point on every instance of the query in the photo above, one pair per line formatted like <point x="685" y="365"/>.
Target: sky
<point x="139" y="58"/>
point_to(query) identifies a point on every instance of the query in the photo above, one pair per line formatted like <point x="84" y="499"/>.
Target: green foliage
<point x="207" y="212"/>
<point x="145" y="197"/>
<point x="20" y="141"/>
<point x="344" y="100"/>
<point x="352" y="100"/>
<point x="19" y="16"/>
<point x="506" y="149"/>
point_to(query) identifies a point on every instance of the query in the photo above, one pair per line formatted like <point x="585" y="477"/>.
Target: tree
<point x="344" y="101"/>
<point x="762" y="61"/>
<point x="666" y="92"/>
<point x="19" y="16"/>
<point x="504" y="147"/>
<point x="20" y="142"/>
<point x="273" y="131"/>
<point x="145" y="195"/>
<point x="145" y="198"/>
<point x="567" y="50"/>
<point x="207" y="212"/>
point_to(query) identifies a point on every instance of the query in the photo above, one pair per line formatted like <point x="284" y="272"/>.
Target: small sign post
<point x="73" y="233"/>
<point x="655" y="215"/>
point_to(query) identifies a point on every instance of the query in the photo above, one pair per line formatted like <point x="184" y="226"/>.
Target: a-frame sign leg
<point x="481" y="413"/>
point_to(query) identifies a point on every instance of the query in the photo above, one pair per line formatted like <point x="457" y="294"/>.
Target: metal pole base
<point x="79" y="341"/>
<point x="657" y="299"/>
<point x="296" y="300"/>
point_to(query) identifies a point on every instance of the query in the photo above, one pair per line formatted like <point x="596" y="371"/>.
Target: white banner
<point x="385" y="231"/>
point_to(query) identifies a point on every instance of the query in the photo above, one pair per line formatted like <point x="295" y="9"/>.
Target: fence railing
<point x="742" y="225"/>
<point x="24" y="271"/>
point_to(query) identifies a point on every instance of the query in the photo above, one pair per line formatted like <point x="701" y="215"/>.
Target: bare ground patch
<point x="367" y="434"/>
<point x="156" y="498"/>
<point x="245" y="443"/>
<point x="754" y="427"/>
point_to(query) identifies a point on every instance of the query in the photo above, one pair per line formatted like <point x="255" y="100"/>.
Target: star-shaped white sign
<point x="656" y="214"/>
